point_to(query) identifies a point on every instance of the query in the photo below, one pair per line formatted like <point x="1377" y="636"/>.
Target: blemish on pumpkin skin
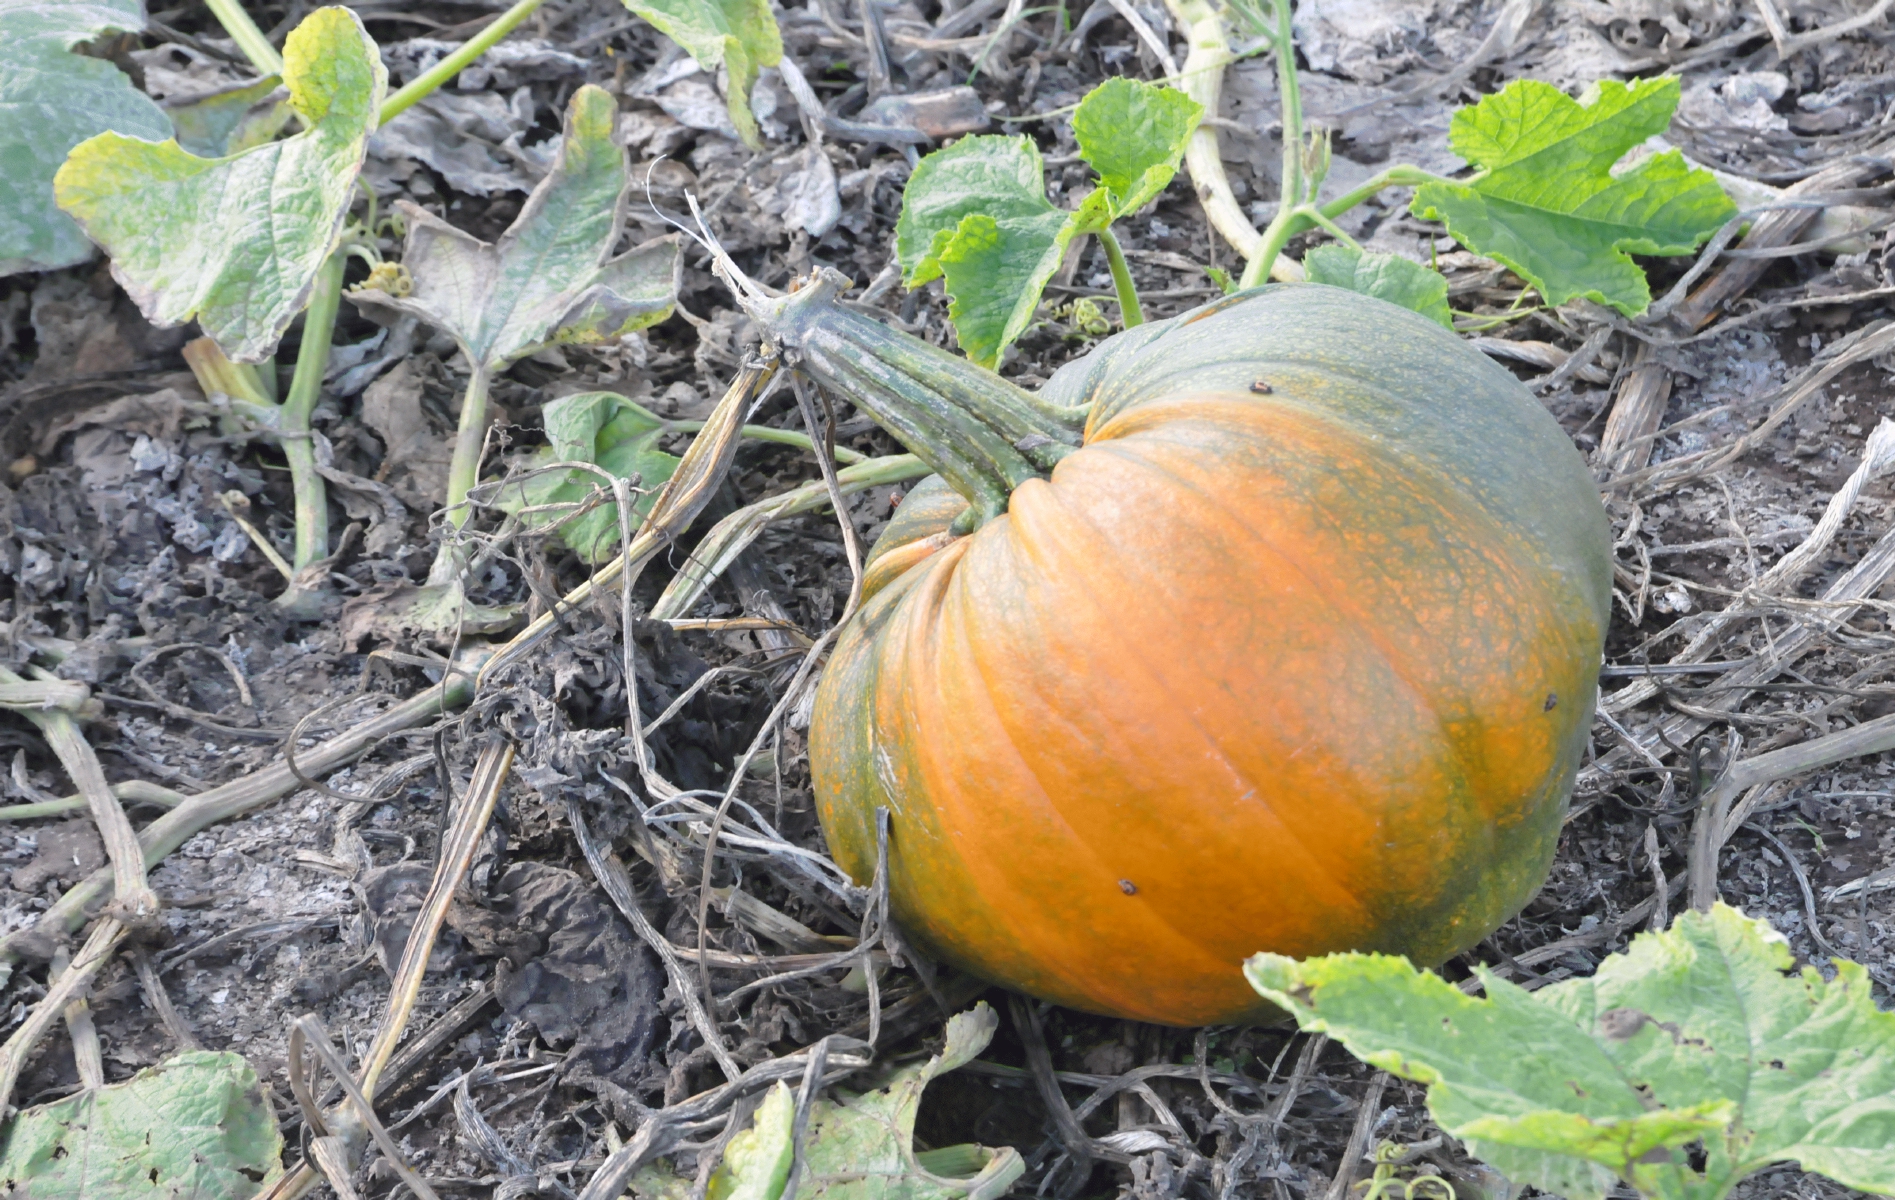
<point x="1128" y="887"/>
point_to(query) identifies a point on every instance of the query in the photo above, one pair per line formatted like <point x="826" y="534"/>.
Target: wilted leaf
<point x="50" y="101"/>
<point x="547" y="279"/>
<point x="236" y="242"/>
<point x="738" y="35"/>
<point x="1546" y="202"/>
<point x="1387" y="277"/>
<point x="197" y="1126"/>
<point x="1698" y="1033"/>
<point x="861" y="1147"/>
<point x="606" y="429"/>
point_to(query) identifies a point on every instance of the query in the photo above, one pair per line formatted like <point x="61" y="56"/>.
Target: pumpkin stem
<point x="982" y="434"/>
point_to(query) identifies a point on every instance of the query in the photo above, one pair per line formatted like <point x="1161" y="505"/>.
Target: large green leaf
<point x="611" y="432"/>
<point x="738" y="35"/>
<point x="1700" y="1033"/>
<point x="1546" y="202"/>
<point x="1387" y="277"/>
<point x="860" y="1147"/>
<point x="50" y="101"/>
<point x="548" y="278"/>
<point x="236" y="242"/>
<point x="196" y="1127"/>
<point x="977" y="214"/>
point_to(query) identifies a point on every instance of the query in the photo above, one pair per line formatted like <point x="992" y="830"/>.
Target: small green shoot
<point x="858" y="1147"/>
<point x="548" y="280"/>
<point x="237" y="242"/>
<point x="976" y="213"/>
<point x="51" y="100"/>
<point x="620" y="437"/>
<point x="1385" y="276"/>
<point x="1546" y="203"/>
<point x="613" y="434"/>
<point x="1698" y="1044"/>
<point x="219" y="1138"/>
<point x="739" y="35"/>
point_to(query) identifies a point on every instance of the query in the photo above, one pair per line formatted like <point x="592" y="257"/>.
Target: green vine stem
<point x="242" y="30"/>
<point x="1288" y="216"/>
<point x="312" y="359"/>
<point x="1130" y="311"/>
<point x="451" y="66"/>
<point x="470" y="439"/>
<point x="982" y="434"/>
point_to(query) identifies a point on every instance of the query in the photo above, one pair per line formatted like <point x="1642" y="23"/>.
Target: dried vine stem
<point x="136" y="902"/>
<point x="1202" y="79"/>
<point x="1878" y="454"/>
<point x="200" y="812"/>
<point x="1720" y="814"/>
<point x="71" y="985"/>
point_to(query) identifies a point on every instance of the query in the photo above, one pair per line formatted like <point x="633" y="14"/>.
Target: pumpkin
<point x="1296" y="652"/>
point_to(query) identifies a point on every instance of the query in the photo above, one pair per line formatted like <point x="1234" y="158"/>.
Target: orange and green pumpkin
<point x="1296" y="652"/>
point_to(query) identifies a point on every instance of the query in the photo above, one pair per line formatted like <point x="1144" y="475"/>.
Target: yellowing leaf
<point x="547" y="278"/>
<point x="197" y="1126"/>
<point x="1698" y="1034"/>
<point x="236" y="242"/>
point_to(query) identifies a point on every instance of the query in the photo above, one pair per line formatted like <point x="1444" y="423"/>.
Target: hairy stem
<point x="451" y="66"/>
<point x="1130" y="311"/>
<point x="249" y="38"/>
<point x="312" y="359"/>
<point x="982" y="434"/>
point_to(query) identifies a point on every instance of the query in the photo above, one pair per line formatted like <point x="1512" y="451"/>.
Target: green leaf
<point x="977" y="214"/>
<point x="547" y="279"/>
<point x="1001" y="178"/>
<point x="1697" y="1033"/>
<point x="995" y="272"/>
<point x="611" y="432"/>
<point x="861" y="1147"/>
<point x="1546" y="202"/>
<point x="236" y="242"/>
<point x="757" y="1162"/>
<point x="1387" y="277"/>
<point x="1133" y="133"/>
<point x="50" y="101"/>
<point x="739" y="35"/>
<point x="230" y="120"/>
<point x="197" y="1126"/>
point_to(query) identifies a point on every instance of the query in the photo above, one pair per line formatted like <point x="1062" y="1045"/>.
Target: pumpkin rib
<point x="981" y="665"/>
<point x="937" y="621"/>
<point x="1080" y="958"/>
<point x="1170" y="691"/>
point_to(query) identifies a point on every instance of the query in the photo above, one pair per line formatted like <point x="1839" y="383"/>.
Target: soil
<point x="118" y="557"/>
